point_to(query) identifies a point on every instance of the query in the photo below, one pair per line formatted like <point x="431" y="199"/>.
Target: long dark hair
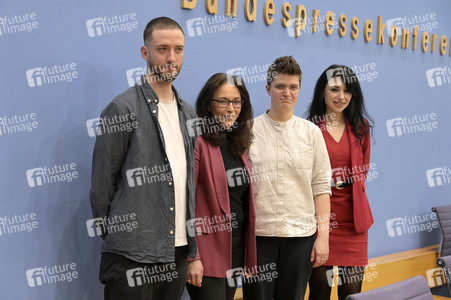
<point x="240" y="138"/>
<point x="361" y="122"/>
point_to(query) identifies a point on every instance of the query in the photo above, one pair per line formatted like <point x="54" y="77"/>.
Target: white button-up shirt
<point x="289" y="167"/>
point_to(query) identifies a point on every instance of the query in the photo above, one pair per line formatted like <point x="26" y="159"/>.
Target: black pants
<point x="126" y="279"/>
<point x="291" y="258"/>
<point x="214" y="288"/>
<point x="349" y="282"/>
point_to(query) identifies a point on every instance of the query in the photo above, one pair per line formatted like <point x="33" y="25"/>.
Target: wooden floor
<point x="392" y="268"/>
<point x="239" y="295"/>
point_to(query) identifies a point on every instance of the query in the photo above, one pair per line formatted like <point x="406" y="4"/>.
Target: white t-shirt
<point x="168" y="118"/>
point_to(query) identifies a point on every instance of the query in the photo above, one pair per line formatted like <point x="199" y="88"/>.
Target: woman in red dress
<point x="338" y="109"/>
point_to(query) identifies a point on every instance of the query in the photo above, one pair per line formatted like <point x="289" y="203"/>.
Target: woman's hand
<point x="195" y="273"/>
<point x="320" y="252"/>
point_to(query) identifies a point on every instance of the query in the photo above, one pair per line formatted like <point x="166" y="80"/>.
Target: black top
<point x="238" y="186"/>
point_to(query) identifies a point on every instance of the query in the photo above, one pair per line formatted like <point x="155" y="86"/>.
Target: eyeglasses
<point x="223" y="103"/>
<point x="282" y="87"/>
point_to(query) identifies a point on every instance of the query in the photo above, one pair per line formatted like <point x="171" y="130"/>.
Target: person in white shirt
<point x="293" y="204"/>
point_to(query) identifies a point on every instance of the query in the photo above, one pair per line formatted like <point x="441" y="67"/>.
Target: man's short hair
<point x="283" y="65"/>
<point x="159" y="23"/>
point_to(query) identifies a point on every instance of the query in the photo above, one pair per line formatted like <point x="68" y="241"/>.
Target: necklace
<point x="169" y="101"/>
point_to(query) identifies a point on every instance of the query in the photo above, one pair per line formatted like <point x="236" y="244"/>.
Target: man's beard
<point x="162" y="73"/>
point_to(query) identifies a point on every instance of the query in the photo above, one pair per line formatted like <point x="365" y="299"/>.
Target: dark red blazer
<point x="360" y="160"/>
<point x="212" y="199"/>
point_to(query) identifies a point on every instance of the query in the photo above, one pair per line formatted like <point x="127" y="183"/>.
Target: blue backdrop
<point x="62" y="62"/>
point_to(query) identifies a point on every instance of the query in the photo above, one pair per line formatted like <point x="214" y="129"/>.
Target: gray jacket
<point x="132" y="193"/>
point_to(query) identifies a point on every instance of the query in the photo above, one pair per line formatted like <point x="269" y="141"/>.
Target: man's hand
<point x="320" y="252"/>
<point x="195" y="273"/>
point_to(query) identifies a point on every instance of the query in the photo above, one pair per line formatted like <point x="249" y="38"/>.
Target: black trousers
<point x="349" y="282"/>
<point x="126" y="279"/>
<point x="214" y="288"/>
<point x="291" y="259"/>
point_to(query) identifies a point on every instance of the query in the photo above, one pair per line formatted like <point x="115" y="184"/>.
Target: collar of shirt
<point x="151" y="96"/>
<point x="279" y="124"/>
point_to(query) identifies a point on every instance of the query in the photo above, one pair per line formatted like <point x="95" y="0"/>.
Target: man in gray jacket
<point x="142" y="189"/>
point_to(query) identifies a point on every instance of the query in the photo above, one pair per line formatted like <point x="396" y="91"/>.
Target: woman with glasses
<point x="225" y="215"/>
<point x="338" y="108"/>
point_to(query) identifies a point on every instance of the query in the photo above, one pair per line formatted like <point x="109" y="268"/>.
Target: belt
<point x="341" y="184"/>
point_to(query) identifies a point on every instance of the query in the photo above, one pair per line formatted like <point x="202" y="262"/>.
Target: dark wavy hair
<point x="240" y="138"/>
<point x="361" y="122"/>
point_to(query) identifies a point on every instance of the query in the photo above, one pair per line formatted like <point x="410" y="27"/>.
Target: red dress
<point x="346" y="246"/>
